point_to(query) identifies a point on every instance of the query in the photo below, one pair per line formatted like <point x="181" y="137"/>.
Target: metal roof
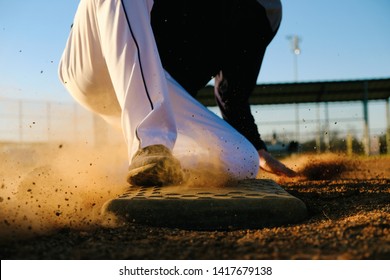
<point x="311" y="92"/>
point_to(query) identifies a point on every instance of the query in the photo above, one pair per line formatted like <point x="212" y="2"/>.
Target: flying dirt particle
<point x="1" y="199"/>
<point x="41" y="71"/>
<point x="58" y="213"/>
<point x="60" y="146"/>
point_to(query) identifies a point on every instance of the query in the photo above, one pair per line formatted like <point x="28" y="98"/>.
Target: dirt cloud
<point x="49" y="187"/>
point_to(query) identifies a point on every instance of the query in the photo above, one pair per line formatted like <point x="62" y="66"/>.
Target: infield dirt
<point x="50" y="200"/>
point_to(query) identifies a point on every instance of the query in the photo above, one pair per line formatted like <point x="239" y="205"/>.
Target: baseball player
<point x="139" y="63"/>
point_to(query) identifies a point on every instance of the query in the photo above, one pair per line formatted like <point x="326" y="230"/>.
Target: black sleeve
<point x="246" y="38"/>
<point x="235" y="109"/>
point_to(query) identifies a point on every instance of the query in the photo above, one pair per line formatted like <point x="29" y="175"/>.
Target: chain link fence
<point x="23" y="121"/>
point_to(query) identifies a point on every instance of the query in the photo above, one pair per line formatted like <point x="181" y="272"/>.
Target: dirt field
<point x="48" y="214"/>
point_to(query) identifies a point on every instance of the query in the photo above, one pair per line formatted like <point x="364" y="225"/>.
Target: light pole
<point x="294" y="41"/>
<point x="296" y="50"/>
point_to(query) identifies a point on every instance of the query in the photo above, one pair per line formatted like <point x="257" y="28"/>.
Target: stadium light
<point x="296" y="50"/>
<point x="294" y="40"/>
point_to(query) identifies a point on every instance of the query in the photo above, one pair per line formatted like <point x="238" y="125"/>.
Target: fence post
<point x="318" y="136"/>
<point x="366" y="130"/>
<point x="297" y="123"/>
<point x="327" y="128"/>
<point x="349" y="144"/>
<point x="387" y="126"/>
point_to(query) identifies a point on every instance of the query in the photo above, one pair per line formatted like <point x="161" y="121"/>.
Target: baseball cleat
<point x="154" y="166"/>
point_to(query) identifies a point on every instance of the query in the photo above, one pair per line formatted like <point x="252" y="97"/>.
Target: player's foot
<point x="154" y="166"/>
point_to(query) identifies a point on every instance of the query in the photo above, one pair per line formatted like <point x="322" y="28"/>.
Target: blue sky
<point x="344" y="39"/>
<point x="341" y="39"/>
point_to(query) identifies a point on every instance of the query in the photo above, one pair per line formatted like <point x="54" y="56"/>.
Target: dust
<point x="51" y="187"/>
<point x="326" y="167"/>
<point x="208" y="176"/>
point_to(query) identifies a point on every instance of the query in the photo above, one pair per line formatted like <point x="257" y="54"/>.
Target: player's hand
<point x="270" y="164"/>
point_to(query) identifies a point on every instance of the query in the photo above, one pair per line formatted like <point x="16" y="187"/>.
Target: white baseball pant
<point x="112" y="67"/>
